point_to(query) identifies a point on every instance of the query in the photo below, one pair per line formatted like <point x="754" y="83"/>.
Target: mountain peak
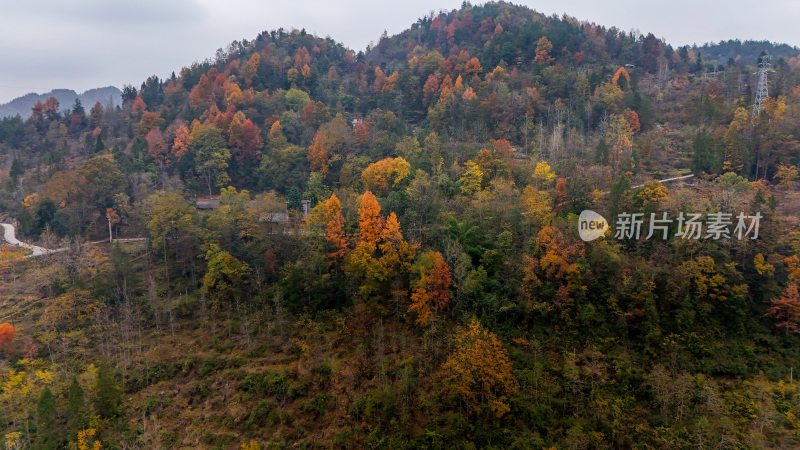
<point x="109" y="95"/>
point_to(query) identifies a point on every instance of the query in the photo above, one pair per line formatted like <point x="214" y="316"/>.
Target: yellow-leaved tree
<point x="538" y="205"/>
<point x="20" y="386"/>
<point x="620" y="139"/>
<point x="251" y="445"/>
<point x="478" y="373"/>
<point x="736" y="142"/>
<point x="224" y="277"/>
<point x="471" y="180"/>
<point x="87" y="440"/>
<point x="543" y="174"/>
<point x="385" y="174"/>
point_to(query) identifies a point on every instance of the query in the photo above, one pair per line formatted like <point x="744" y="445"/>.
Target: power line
<point x="762" y="90"/>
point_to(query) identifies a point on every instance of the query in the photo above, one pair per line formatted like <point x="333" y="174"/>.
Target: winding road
<point x="666" y="180"/>
<point x="10" y="236"/>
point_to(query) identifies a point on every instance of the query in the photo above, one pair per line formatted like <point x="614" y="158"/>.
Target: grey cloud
<point x="106" y="13"/>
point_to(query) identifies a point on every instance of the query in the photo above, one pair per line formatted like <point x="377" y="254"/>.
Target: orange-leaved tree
<point x="250" y="69"/>
<point x="275" y="137"/>
<point x="621" y="72"/>
<point x="244" y="138"/>
<point x="786" y="310"/>
<point x="550" y="275"/>
<point x="138" y="106"/>
<point x="473" y="66"/>
<point x="327" y="219"/>
<point x="396" y="256"/>
<point x="182" y="140"/>
<point x="362" y="263"/>
<point x="6" y="336"/>
<point x="329" y="139"/>
<point x="543" y="48"/>
<point x="381" y="255"/>
<point x="370" y="221"/>
<point x="225" y="276"/>
<point x="157" y="148"/>
<point x="232" y="92"/>
<point x="148" y="121"/>
<point x="431" y="290"/>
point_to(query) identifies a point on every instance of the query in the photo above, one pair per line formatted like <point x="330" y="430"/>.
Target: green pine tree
<point x="99" y="145"/>
<point x="46" y="436"/>
<point x="109" y="395"/>
<point x="76" y="408"/>
<point x="17" y="169"/>
<point x="705" y="157"/>
<point x="601" y="152"/>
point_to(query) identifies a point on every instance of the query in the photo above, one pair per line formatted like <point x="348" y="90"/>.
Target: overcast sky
<point x="81" y="44"/>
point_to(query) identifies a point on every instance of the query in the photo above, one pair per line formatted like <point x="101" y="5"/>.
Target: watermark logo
<point x="712" y="226"/>
<point x="591" y="225"/>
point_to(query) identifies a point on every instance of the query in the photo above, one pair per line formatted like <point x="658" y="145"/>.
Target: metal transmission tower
<point x="762" y="90"/>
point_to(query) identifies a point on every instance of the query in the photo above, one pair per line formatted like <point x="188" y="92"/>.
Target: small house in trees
<point x="207" y="202"/>
<point x="274" y="217"/>
<point x="276" y="222"/>
<point x="285" y="222"/>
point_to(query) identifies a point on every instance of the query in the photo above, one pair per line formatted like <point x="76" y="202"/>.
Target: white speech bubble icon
<point x="591" y="225"/>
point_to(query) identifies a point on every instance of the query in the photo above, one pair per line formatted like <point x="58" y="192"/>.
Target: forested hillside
<point x="318" y="248"/>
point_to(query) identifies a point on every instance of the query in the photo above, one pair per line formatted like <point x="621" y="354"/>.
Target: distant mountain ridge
<point x="108" y="95"/>
<point x="748" y="51"/>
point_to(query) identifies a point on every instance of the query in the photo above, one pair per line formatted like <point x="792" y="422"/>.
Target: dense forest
<point x="313" y="247"/>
